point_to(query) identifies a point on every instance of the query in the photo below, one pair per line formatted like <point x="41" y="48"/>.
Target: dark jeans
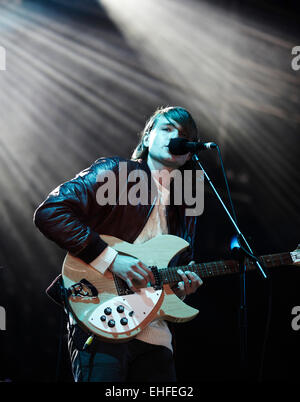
<point x="132" y="361"/>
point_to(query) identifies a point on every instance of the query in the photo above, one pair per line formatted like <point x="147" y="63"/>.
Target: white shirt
<point x="157" y="332"/>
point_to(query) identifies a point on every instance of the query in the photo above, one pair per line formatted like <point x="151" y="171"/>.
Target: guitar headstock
<point x="296" y="256"/>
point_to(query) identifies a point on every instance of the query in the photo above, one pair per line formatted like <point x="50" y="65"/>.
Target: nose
<point x="175" y="134"/>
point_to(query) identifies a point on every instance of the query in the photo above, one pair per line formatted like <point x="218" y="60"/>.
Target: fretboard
<point x="217" y="268"/>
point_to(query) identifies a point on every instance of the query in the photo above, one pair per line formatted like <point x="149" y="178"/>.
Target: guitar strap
<point x="55" y="292"/>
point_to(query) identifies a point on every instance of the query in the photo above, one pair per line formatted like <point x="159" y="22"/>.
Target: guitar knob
<point x="103" y="318"/>
<point x="111" y="323"/>
<point x="107" y="311"/>
<point x="120" y="309"/>
<point x="124" y="321"/>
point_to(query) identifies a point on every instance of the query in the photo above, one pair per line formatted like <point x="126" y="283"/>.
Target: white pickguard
<point x="137" y="307"/>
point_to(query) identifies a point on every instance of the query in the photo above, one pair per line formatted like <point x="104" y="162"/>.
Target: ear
<point x="146" y="139"/>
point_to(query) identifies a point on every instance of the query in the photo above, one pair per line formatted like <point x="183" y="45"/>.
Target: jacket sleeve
<point x="63" y="217"/>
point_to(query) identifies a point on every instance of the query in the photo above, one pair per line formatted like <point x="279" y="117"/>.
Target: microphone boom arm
<point x="240" y="234"/>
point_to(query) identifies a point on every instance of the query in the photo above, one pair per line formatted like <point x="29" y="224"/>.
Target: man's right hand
<point x="132" y="271"/>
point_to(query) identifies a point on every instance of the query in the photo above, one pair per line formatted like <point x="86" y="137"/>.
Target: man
<point x="73" y="216"/>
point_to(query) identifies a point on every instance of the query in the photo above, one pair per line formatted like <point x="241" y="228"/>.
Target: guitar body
<point x="116" y="317"/>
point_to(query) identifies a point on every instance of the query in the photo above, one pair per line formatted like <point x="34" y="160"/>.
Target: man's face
<point x="158" y="140"/>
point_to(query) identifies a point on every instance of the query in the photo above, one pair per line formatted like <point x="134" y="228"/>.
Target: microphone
<point x="181" y="146"/>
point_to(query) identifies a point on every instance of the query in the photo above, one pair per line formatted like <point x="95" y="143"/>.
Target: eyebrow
<point x="180" y="129"/>
<point x="168" y="124"/>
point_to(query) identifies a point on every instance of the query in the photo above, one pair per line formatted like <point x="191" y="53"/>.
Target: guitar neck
<point x="218" y="268"/>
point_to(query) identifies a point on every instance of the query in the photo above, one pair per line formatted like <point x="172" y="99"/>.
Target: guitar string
<point x="214" y="268"/>
<point x="169" y="274"/>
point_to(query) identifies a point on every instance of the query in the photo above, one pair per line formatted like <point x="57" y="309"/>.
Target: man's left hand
<point x="189" y="284"/>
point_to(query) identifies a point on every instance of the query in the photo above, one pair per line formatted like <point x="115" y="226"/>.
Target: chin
<point x="172" y="162"/>
<point x="168" y="160"/>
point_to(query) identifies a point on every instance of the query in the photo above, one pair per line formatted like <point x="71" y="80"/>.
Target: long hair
<point x="177" y="113"/>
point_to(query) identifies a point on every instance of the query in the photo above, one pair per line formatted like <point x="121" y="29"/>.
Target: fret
<point x="207" y="270"/>
<point x="280" y="255"/>
<point x="268" y="260"/>
<point x="264" y="259"/>
<point x="251" y="266"/>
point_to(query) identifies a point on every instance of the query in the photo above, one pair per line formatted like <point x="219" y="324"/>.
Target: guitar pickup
<point x="158" y="283"/>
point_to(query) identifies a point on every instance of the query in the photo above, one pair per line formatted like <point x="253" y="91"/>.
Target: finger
<point x="191" y="263"/>
<point x="190" y="288"/>
<point x="131" y="286"/>
<point x="134" y="279"/>
<point x="139" y="272"/>
<point x="184" y="278"/>
<point x="195" y="282"/>
<point x="139" y="279"/>
<point x="196" y="279"/>
<point x="189" y="276"/>
<point x="150" y="274"/>
<point x="145" y="271"/>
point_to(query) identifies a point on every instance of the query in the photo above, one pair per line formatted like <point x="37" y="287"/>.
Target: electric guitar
<point x="104" y="305"/>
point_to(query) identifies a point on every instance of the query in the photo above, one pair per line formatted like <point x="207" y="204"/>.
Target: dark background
<point x="81" y="79"/>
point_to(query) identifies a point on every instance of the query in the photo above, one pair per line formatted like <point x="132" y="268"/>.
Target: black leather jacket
<point x="72" y="218"/>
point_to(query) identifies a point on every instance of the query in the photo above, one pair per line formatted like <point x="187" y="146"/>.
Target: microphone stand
<point x="243" y="254"/>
